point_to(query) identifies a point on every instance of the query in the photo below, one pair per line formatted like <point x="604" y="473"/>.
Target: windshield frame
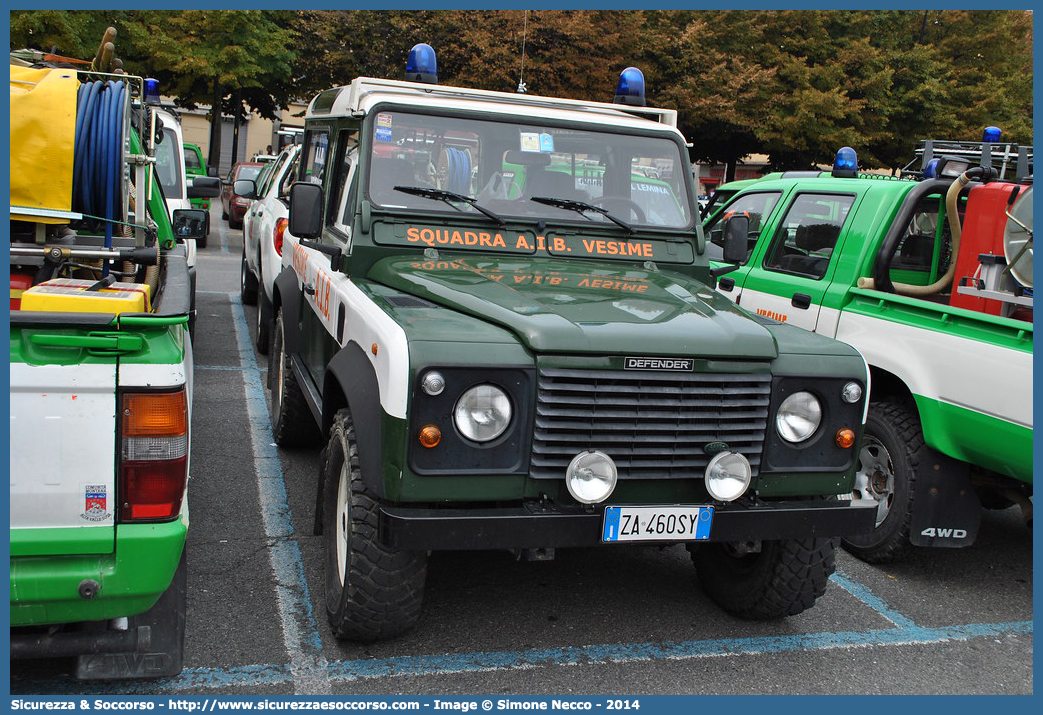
<point x="686" y="202"/>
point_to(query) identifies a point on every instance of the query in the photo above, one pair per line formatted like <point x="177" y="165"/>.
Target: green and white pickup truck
<point x="101" y="379"/>
<point x="494" y="368"/>
<point x="931" y="279"/>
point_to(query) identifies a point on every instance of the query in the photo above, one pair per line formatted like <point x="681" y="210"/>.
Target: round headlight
<point x="591" y="477"/>
<point x="799" y="416"/>
<point x="728" y="476"/>
<point x="482" y="413"/>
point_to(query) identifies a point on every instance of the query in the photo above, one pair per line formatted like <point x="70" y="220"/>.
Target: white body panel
<point x="62" y="443"/>
<point x="259" y="227"/>
<point x="965" y="373"/>
<point x="365" y="323"/>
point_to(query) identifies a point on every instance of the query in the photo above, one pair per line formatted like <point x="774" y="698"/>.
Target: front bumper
<point x="534" y="526"/>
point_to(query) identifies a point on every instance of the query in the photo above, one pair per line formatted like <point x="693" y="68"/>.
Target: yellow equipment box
<point x="71" y="296"/>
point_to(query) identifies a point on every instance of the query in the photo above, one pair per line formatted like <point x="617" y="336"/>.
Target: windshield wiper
<point x="448" y="197"/>
<point x="582" y="207"/>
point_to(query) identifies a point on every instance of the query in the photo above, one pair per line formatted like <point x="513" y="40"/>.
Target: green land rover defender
<point x="496" y="311"/>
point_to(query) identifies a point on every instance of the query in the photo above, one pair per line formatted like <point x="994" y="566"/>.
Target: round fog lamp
<point x="799" y="416"/>
<point x="728" y="476"/>
<point x="852" y="392"/>
<point x="433" y="383"/>
<point x="591" y="477"/>
<point x="482" y="413"/>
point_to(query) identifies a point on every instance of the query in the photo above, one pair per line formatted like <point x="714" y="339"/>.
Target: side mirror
<point x="736" y="238"/>
<point x="191" y="223"/>
<point x="245" y="188"/>
<point x="212" y="171"/>
<point x="204" y="187"/>
<point x="306" y="201"/>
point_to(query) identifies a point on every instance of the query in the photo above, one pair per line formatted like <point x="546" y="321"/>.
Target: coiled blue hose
<point x="459" y="170"/>
<point x="97" y="154"/>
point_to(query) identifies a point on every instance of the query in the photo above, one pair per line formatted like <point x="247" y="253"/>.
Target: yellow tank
<point x="43" y="134"/>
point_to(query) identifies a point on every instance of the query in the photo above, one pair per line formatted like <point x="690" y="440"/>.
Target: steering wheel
<point x="639" y="213"/>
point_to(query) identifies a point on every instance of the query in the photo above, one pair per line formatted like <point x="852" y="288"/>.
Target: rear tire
<point x="891" y="453"/>
<point x="785" y="578"/>
<point x="264" y="323"/>
<point x="247" y="283"/>
<point x="292" y="423"/>
<point x="372" y="591"/>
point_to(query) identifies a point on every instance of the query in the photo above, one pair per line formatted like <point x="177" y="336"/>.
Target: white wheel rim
<point x="343" y="515"/>
<point x="875" y="478"/>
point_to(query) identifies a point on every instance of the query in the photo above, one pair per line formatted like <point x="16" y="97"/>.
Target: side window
<point x="925" y="249"/>
<point x="349" y="155"/>
<point x="289" y="176"/>
<point x="808" y="234"/>
<point x="758" y="206"/>
<point x="316" y="156"/>
<point x="264" y="180"/>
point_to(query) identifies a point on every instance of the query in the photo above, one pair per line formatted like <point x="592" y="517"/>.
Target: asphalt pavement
<point x="627" y="620"/>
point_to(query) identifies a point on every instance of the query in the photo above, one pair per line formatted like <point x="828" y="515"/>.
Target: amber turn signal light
<point x="430" y="436"/>
<point x="845" y="438"/>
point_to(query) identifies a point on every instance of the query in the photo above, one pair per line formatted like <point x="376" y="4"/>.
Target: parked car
<point x="195" y="165"/>
<point x="234" y="207"/>
<point x="264" y="227"/>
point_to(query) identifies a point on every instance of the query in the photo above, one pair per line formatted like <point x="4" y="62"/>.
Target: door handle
<point x="726" y="283"/>
<point x="801" y="300"/>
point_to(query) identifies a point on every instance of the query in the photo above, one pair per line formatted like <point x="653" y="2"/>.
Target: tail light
<point x="280" y="229"/>
<point x="154" y="464"/>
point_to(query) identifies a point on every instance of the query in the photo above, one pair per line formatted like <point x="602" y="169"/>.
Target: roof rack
<point x="337" y="100"/>
<point x="1013" y="162"/>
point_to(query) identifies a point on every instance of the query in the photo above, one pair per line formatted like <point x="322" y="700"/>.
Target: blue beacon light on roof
<point x="422" y="65"/>
<point x="630" y="89"/>
<point x="151" y="91"/>
<point x="991" y="134"/>
<point x="846" y="163"/>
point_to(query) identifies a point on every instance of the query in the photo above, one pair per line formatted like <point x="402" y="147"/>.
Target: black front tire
<point x="892" y="450"/>
<point x="784" y="578"/>
<point x="247" y="283"/>
<point x="292" y="423"/>
<point x="372" y="591"/>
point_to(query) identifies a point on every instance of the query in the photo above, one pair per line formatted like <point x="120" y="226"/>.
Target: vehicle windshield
<point x="192" y="163"/>
<point x="169" y="165"/>
<point x="638" y="179"/>
<point x="249" y="171"/>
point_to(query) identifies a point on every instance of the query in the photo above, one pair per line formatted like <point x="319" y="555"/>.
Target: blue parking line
<point x="863" y="594"/>
<point x="193" y="679"/>
<point x="300" y="631"/>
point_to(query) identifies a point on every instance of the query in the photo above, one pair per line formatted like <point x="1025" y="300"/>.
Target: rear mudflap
<point x="946" y="509"/>
<point x="161" y="655"/>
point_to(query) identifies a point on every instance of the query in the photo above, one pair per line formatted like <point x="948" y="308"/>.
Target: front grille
<point x="653" y="425"/>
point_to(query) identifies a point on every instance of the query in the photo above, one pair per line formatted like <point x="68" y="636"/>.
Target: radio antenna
<point x="521" y="71"/>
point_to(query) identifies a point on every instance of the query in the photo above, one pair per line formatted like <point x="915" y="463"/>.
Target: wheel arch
<point x="286" y="296"/>
<point x="888" y="386"/>
<point x="350" y="381"/>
